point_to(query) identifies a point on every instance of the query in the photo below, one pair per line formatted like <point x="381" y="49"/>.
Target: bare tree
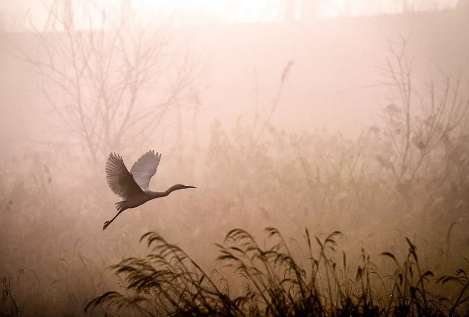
<point x="308" y="10"/>
<point x="424" y="132"/>
<point x="108" y="79"/>
<point x="289" y="10"/>
<point x="13" y="20"/>
<point x="462" y="5"/>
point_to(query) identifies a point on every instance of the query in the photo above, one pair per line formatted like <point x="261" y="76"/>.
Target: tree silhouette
<point x="108" y="79"/>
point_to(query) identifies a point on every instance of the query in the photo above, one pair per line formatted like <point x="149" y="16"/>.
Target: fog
<point x="353" y="119"/>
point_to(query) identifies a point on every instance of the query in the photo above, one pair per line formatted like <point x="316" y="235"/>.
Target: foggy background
<point x="330" y="115"/>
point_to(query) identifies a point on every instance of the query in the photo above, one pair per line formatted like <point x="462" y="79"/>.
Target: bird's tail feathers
<point x="121" y="206"/>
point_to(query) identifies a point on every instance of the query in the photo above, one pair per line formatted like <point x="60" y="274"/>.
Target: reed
<point x="168" y="282"/>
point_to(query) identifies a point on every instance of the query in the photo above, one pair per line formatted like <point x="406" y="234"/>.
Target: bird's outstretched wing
<point x="145" y="168"/>
<point x="119" y="179"/>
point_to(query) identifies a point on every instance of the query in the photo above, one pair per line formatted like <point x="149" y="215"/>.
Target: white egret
<point x="133" y="186"/>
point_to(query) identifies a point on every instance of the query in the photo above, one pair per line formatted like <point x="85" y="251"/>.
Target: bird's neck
<point x="153" y="195"/>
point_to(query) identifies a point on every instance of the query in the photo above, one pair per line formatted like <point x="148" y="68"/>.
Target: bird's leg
<point x="107" y="223"/>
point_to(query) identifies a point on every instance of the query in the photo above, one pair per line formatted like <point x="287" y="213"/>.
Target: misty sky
<point x="180" y="12"/>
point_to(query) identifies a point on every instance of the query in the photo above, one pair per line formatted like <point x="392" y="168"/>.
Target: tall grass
<point x="8" y="306"/>
<point x="288" y="181"/>
<point x="405" y="176"/>
<point x="168" y="282"/>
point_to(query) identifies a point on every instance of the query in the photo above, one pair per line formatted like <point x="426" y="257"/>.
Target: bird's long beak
<point x="185" y="186"/>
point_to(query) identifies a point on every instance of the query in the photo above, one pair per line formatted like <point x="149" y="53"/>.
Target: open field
<point x="290" y="217"/>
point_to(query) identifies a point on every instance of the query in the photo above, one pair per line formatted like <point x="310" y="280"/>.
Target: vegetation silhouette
<point x="168" y="282"/>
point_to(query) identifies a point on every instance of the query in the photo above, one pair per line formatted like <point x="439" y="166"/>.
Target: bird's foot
<point x="106" y="223"/>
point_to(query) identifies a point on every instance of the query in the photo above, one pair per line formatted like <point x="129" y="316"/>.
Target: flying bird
<point x="133" y="186"/>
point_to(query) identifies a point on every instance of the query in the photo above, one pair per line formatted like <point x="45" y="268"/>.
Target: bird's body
<point x="133" y="186"/>
<point x="135" y="201"/>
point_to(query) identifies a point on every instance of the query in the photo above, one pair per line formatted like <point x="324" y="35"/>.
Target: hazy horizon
<point x="357" y="123"/>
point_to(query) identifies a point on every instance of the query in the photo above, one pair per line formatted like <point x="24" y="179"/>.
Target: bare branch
<point x="96" y="80"/>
